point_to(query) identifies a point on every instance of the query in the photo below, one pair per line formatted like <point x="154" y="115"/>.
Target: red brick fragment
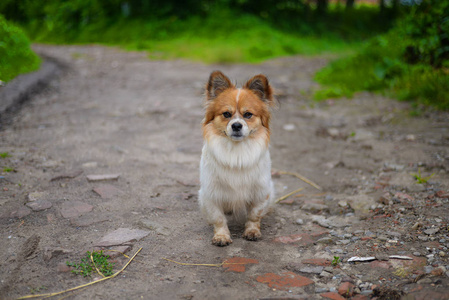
<point x="332" y="295"/>
<point x="380" y="264"/>
<point x="284" y="281"/>
<point x="360" y="297"/>
<point x="346" y="289"/>
<point x="317" y="262"/>
<point x="237" y="264"/>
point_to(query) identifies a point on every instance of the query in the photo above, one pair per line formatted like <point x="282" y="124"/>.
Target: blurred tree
<point x="321" y="6"/>
<point x="349" y="4"/>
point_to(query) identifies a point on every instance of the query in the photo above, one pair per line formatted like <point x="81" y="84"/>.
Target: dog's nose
<point x="237" y="126"/>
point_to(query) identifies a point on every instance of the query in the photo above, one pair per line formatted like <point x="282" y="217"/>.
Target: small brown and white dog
<point x="235" y="169"/>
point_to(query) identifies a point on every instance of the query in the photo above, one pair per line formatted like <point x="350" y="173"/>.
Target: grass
<point x="226" y="37"/>
<point x="421" y="179"/>
<point x="336" y="261"/>
<point x="381" y="65"/>
<point x="16" y="56"/>
<point x="94" y="261"/>
<point x="5" y="155"/>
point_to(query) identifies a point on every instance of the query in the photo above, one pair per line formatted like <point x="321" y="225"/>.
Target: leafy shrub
<point x="409" y="62"/>
<point x="16" y="56"/>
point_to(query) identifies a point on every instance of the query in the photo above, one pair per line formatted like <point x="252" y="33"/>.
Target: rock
<point x="289" y="127"/>
<point x="428" y="269"/>
<point x="103" y="177"/>
<point x="20" y="213"/>
<point x="39" y="205"/>
<point x="325" y="274"/>
<point x="34" y="196"/>
<point x="107" y="191"/>
<point x="325" y="240"/>
<point x="344" y="242"/>
<point x="312" y="270"/>
<point x="122" y="236"/>
<point x="68" y="175"/>
<point x="314" y="207"/>
<point x="322" y="221"/>
<point x="343" y="204"/>
<point x="423" y="238"/>
<point x="74" y="209"/>
<point x="361" y="203"/>
<point x="158" y="228"/>
<point x="431" y="231"/>
<point x="320" y="290"/>
<point x="299" y="221"/>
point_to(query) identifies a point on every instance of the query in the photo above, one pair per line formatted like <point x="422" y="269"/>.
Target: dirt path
<point x="117" y="113"/>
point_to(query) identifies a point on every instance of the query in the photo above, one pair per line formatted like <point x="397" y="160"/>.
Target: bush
<point x="409" y="62"/>
<point x="16" y="56"/>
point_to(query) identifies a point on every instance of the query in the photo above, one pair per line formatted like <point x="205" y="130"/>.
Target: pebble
<point x="289" y="127"/>
<point x="343" y="203"/>
<point x="325" y="240"/>
<point x="442" y="254"/>
<point x="344" y="242"/>
<point x="312" y="270"/>
<point x="39" y="205"/>
<point x="321" y="290"/>
<point x="366" y="292"/>
<point x="299" y="221"/>
<point x="325" y="274"/>
<point x="431" y="231"/>
<point x="416" y="253"/>
<point x="423" y="238"/>
<point x="428" y="269"/>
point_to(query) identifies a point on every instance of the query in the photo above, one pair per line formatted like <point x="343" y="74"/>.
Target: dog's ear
<point x="218" y="82"/>
<point x="261" y="87"/>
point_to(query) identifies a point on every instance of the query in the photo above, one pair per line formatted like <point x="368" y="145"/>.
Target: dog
<point x="235" y="167"/>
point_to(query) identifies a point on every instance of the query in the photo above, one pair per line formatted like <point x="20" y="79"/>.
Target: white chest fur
<point x="234" y="175"/>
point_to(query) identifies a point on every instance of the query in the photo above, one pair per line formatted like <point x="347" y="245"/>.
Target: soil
<point x="136" y="124"/>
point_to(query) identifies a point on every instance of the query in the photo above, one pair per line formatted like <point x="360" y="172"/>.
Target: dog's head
<point x="241" y="113"/>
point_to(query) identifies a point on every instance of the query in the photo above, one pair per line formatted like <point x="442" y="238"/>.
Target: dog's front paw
<point x="221" y="240"/>
<point x="252" y="234"/>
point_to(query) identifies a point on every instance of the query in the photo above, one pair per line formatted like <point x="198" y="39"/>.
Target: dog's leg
<point x="252" y="225"/>
<point x="216" y="217"/>
<point x="222" y="236"/>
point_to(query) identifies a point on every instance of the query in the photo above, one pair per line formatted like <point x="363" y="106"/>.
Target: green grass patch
<point x="225" y="37"/>
<point x="16" y="56"/>
<point x="93" y="262"/>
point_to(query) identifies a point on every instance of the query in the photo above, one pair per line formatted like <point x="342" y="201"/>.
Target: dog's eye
<point x="227" y="114"/>
<point x="247" y="115"/>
